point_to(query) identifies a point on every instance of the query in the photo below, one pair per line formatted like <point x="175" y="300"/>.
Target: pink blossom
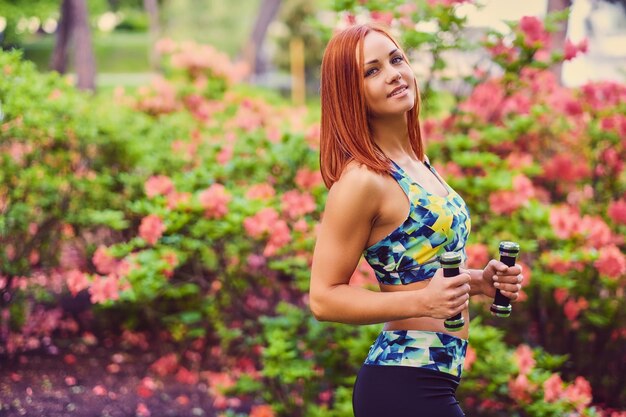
<point x="485" y="100"/>
<point x="579" y="393"/>
<point x="142" y="410"/>
<point x="76" y="281"/>
<point x="506" y="202"/>
<point x="611" y="262"/>
<point x="571" y="50"/>
<point x="524" y="358"/>
<point x="215" y="201"/>
<point x="383" y="17"/>
<point x="158" y="185"/>
<point x="307" y="179"/>
<point x="225" y="155"/>
<point x="597" y="232"/>
<point x="262" y="411"/>
<point x="363" y="275"/>
<point x="470" y="358"/>
<point x="552" y="388"/>
<point x="151" y="229"/>
<point x="563" y="266"/>
<point x="105" y="263"/>
<point x="99" y="390"/>
<point x="261" y="222"/>
<point x="564" y="221"/>
<point x="256" y="262"/>
<point x="447" y="3"/>
<point x="500" y="50"/>
<point x="617" y="211"/>
<point x="477" y="255"/>
<point x="296" y="204"/>
<point x="175" y="199"/>
<point x="519" y="389"/>
<point x="535" y="35"/>
<point x="260" y="192"/>
<point x="104" y="288"/>
<point x="560" y="295"/>
<point x="572" y="308"/>
<point x="279" y="237"/>
<point x="564" y="167"/>
<point x="185" y="376"/>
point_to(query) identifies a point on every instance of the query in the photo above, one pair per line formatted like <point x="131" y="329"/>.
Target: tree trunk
<point x="74" y="25"/>
<point x="58" y="61"/>
<point x="85" y="62"/>
<point x="558" y="37"/>
<point x="152" y="8"/>
<point x="253" y="51"/>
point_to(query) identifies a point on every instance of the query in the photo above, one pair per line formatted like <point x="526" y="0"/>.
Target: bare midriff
<point x="422" y="323"/>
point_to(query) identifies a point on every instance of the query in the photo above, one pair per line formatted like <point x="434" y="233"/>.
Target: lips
<point x="398" y="90"/>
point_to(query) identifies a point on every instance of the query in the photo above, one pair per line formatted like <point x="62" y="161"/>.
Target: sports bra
<point x="435" y="225"/>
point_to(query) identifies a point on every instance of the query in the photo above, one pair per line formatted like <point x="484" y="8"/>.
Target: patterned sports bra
<point x="434" y="225"/>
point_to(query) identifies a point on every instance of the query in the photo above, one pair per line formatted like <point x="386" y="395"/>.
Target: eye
<point x="371" y="71"/>
<point x="397" y="59"/>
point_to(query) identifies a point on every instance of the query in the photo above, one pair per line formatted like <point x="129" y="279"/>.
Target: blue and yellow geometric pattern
<point x="434" y="225"/>
<point x="418" y="348"/>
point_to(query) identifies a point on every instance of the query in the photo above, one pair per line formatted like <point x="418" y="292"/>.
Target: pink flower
<point x="296" y="204"/>
<point x="470" y="358"/>
<point x="617" y="211"/>
<point x="185" y="376"/>
<point x="552" y="388"/>
<point x="524" y="358"/>
<point x="611" y="262"/>
<point x="215" y="201"/>
<point x="175" y="199"/>
<point x="99" y="390"/>
<point x="535" y="35"/>
<point x="506" y="202"/>
<point x="477" y="255"/>
<point x="570" y="50"/>
<point x="563" y="167"/>
<point x="579" y="393"/>
<point x="261" y="222"/>
<point x="104" y="288"/>
<point x="261" y="192"/>
<point x="262" y="411"/>
<point x="572" y="308"/>
<point x="519" y="389"/>
<point x="383" y="17"/>
<point x="560" y="295"/>
<point x="76" y="281"/>
<point x="165" y="365"/>
<point x="142" y="410"/>
<point x="564" y="221"/>
<point x="279" y="237"/>
<point x="151" y="229"/>
<point x="225" y="155"/>
<point x="105" y="263"/>
<point x="158" y="185"/>
<point x="307" y="179"/>
<point x="485" y="101"/>
<point x="363" y="275"/>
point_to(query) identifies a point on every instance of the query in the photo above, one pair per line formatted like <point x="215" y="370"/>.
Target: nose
<point x="394" y="75"/>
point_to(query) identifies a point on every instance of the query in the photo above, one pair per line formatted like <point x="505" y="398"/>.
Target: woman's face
<point x="388" y="78"/>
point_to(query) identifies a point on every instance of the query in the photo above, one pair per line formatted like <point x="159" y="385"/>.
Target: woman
<point x="386" y="202"/>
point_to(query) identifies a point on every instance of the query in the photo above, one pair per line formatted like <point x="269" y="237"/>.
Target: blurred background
<point x="123" y="33"/>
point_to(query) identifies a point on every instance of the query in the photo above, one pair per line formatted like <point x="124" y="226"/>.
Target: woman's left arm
<point x="496" y="275"/>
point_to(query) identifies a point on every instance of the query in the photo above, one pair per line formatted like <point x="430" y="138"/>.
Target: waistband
<point x="419" y="348"/>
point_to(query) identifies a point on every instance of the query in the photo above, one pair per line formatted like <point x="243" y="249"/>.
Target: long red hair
<point x="345" y="134"/>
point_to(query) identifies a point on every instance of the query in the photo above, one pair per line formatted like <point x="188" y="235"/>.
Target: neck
<point x="392" y="137"/>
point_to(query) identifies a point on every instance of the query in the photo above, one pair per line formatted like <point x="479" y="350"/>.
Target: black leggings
<point x="403" y="391"/>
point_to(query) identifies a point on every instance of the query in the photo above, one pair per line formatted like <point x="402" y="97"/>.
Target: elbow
<point x="317" y="308"/>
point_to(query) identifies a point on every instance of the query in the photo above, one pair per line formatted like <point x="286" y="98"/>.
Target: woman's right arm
<point x="352" y="207"/>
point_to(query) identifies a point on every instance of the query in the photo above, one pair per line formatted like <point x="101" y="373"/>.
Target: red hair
<point x="345" y="134"/>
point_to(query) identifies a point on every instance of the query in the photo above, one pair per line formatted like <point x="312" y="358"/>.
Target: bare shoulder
<point x="359" y="182"/>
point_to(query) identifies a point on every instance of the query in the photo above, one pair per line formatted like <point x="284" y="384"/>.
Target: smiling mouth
<point x="398" y="90"/>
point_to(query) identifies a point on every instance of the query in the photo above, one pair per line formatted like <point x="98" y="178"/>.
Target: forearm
<point x="355" y="305"/>
<point x="477" y="284"/>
